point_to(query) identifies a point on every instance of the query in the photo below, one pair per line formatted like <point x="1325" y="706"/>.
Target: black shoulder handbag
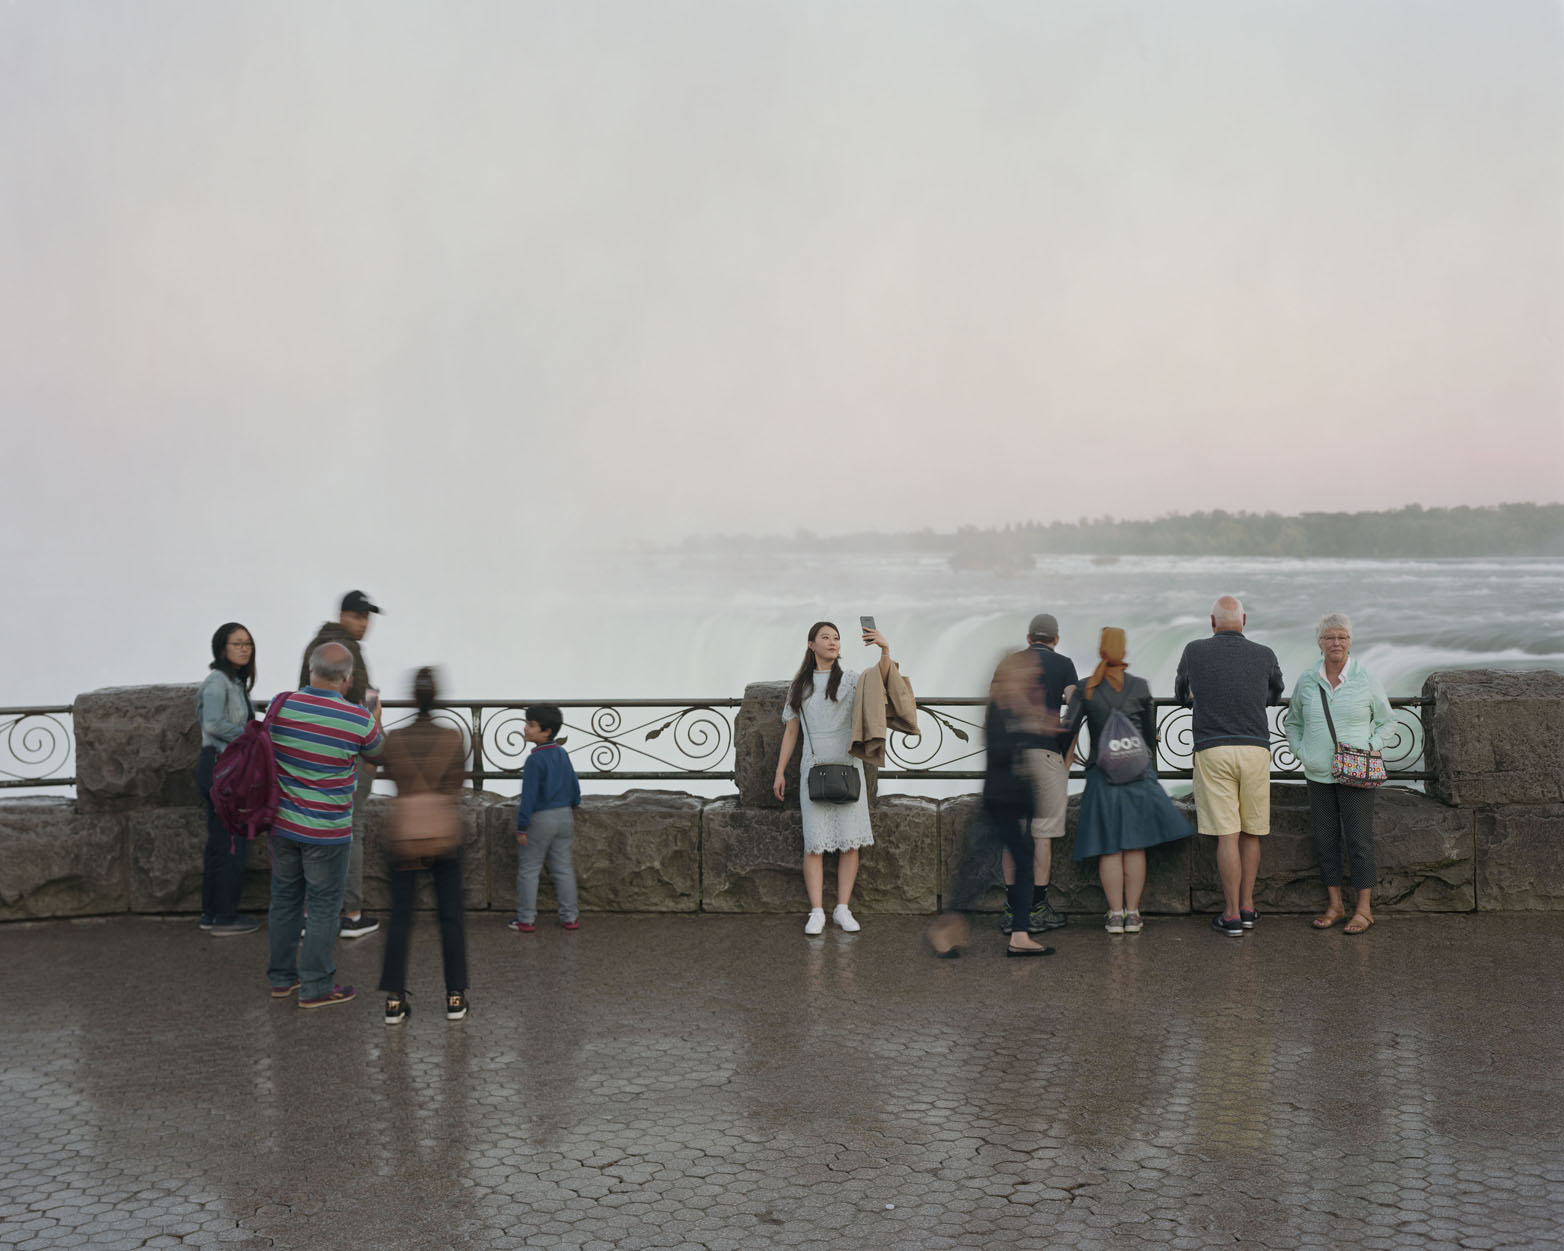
<point x="830" y="783"/>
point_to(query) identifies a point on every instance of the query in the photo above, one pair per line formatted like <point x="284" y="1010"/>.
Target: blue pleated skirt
<point x="1125" y="818"/>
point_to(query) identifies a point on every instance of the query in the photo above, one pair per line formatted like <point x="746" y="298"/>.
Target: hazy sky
<point x="641" y="269"/>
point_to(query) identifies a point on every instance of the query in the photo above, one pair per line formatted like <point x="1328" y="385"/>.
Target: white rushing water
<point x="684" y="626"/>
<point x="659" y="625"/>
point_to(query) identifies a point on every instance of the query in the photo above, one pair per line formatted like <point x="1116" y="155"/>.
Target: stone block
<point x="1520" y="859"/>
<point x="900" y="873"/>
<point x="167" y="849"/>
<point x="1073" y="885"/>
<point x="757" y="740"/>
<point x="1423" y="852"/>
<point x="1495" y="736"/>
<point x="476" y="807"/>
<point x="635" y="852"/>
<point x="57" y="862"/>
<point x="955" y="818"/>
<point x="752" y="858"/>
<point x="1289" y="880"/>
<point x="136" y="746"/>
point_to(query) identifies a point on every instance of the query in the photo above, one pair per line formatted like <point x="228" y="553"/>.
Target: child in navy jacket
<point x="545" y="822"/>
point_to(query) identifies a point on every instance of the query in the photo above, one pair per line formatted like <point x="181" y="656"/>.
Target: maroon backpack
<point x="244" y="780"/>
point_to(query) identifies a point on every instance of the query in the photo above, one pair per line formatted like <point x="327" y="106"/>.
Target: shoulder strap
<point x="804" y="721"/>
<point x="1329" y="720"/>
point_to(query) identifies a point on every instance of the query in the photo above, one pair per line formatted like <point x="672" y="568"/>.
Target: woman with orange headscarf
<point x="1124" y="810"/>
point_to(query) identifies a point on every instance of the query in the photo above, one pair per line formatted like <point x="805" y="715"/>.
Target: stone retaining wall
<point x="1489" y="834"/>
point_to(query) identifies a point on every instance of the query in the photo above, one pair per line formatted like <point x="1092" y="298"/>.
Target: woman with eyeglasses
<point x="223" y="707"/>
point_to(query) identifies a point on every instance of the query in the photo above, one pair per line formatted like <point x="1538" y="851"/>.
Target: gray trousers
<point x="549" y="840"/>
<point x="353" y="895"/>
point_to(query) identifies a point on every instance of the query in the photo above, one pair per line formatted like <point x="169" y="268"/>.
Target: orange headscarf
<point x="1112" y="666"/>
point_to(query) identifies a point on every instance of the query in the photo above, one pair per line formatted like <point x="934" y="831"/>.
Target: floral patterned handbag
<point x="1352" y="766"/>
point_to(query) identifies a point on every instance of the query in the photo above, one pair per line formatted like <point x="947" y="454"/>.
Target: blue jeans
<point x="313" y="875"/>
<point x="549" y="838"/>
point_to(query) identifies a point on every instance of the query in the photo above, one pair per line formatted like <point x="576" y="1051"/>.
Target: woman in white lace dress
<point x="822" y="696"/>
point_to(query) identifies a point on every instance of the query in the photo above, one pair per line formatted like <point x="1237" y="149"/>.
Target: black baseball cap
<point x="357" y="601"/>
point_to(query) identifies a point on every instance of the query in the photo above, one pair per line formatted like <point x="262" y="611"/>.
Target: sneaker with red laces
<point x="522" y="927"/>
<point x="336" y="995"/>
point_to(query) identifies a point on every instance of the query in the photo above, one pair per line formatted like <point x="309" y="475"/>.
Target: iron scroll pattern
<point x="1402" y="749"/>
<point x="37" y="747"/>
<point x="608" y="740"/>
<point x="949" y="743"/>
<point x="655" y="740"/>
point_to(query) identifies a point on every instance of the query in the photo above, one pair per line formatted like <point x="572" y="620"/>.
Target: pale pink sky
<point x="661" y="268"/>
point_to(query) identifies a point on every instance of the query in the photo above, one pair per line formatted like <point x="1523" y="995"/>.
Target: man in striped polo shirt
<point x="317" y="738"/>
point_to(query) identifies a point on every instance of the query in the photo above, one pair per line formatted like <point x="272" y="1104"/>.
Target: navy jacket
<point x="548" y="780"/>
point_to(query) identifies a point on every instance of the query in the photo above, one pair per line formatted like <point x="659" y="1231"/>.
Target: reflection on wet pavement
<point x="723" y="1082"/>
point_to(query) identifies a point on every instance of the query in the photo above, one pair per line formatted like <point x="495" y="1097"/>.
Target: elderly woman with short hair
<point x="1361" y="712"/>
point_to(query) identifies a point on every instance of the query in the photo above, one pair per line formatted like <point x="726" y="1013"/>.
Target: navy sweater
<point x="1230" y="680"/>
<point x="548" y="780"/>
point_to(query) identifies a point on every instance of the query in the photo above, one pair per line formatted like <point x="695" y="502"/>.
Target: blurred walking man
<point x="349" y="629"/>
<point x="318" y="738"/>
<point x="1231" y="681"/>
<point x="1049" y="679"/>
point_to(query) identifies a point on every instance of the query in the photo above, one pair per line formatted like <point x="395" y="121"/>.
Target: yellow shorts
<point x="1233" y="790"/>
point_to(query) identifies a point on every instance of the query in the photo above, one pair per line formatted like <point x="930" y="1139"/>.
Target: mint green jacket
<point x="1358" y="705"/>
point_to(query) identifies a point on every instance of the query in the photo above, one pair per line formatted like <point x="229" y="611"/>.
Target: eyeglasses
<point x="236" y="643"/>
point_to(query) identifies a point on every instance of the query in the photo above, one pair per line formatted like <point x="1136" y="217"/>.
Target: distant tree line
<point x="1413" y="532"/>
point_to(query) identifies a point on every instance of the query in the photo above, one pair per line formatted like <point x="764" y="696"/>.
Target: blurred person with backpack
<point x="1044" y="681"/>
<point x="1124" y="809"/>
<point x="223" y="709"/>
<point x="349" y="629"/>
<point x="318" y="739"/>
<point x="427" y="762"/>
<point x="1002" y="828"/>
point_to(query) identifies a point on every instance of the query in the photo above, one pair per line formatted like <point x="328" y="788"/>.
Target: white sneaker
<point x="816" y="922"/>
<point x="843" y="917"/>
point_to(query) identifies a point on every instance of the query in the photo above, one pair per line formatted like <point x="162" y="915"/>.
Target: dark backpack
<point x="1122" y="755"/>
<point x="245" y="795"/>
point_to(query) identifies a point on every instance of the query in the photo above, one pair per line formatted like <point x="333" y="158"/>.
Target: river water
<point x="688" y="627"/>
<point x="704" y="625"/>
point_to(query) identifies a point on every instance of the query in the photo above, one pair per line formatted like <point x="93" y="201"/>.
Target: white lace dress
<point x="831" y="827"/>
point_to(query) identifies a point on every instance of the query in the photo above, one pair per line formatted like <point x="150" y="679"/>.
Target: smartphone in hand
<point x="866" y="624"/>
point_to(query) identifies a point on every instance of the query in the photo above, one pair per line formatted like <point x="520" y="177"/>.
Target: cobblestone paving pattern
<point x="724" y="1083"/>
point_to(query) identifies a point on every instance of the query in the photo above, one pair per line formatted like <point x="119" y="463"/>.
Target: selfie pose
<point x="833" y="798"/>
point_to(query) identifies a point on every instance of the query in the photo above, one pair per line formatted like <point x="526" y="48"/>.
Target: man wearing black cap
<point x="349" y="629"/>
<point x="1051" y="678"/>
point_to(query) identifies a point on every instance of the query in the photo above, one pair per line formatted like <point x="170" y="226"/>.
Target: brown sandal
<point x="1327" y="919"/>
<point x="1356" y="917"/>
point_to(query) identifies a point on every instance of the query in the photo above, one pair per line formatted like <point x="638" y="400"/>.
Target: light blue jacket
<point x="222" y="709"/>
<point x="1358" y="706"/>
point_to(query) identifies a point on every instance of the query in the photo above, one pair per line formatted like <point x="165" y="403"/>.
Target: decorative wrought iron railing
<point x="634" y="740"/>
<point x="688" y="740"/>
<point x="37" y="747"/>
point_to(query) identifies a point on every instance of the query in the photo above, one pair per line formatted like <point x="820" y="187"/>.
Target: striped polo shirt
<point x="317" y="739"/>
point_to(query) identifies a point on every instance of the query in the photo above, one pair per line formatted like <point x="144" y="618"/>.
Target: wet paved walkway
<point x="721" y="1082"/>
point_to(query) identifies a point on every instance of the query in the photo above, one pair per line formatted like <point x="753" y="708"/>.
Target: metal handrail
<point x="700" y="735"/>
